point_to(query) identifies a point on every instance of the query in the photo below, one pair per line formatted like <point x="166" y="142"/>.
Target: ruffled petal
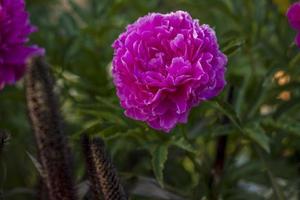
<point x="165" y="64"/>
<point x="15" y="29"/>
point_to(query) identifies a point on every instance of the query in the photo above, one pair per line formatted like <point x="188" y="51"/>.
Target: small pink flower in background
<point x="165" y="64"/>
<point x="293" y="15"/>
<point x="14" y="31"/>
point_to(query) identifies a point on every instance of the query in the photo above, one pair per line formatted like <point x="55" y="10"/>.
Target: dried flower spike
<point x="165" y="64"/>
<point x="46" y="124"/>
<point x="101" y="171"/>
<point x="4" y="137"/>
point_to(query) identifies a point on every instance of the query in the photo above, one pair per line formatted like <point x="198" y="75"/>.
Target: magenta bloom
<point x="293" y="15"/>
<point x="165" y="64"/>
<point x="14" y="31"/>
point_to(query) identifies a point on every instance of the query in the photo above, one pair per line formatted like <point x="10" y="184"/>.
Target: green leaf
<point x="262" y="90"/>
<point x="159" y="157"/>
<point x="37" y="165"/>
<point x="228" y="110"/>
<point x="78" y="10"/>
<point x="258" y="135"/>
<point x="89" y="127"/>
<point x="278" y="192"/>
<point x="69" y="24"/>
<point x="241" y="97"/>
<point x="285" y="107"/>
<point x="295" y="60"/>
<point x="108" y="102"/>
<point x="233" y="46"/>
<point x="286" y="125"/>
<point x="104" y="115"/>
<point x="133" y="134"/>
<point x="183" y="144"/>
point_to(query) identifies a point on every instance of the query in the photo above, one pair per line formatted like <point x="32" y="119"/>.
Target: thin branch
<point x="218" y="166"/>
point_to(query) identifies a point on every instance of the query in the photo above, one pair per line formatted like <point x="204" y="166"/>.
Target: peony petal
<point x="158" y="79"/>
<point x="136" y="114"/>
<point x="15" y="29"/>
<point x="293" y="15"/>
<point x="168" y="121"/>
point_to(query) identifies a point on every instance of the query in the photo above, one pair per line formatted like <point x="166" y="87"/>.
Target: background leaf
<point x="159" y="157"/>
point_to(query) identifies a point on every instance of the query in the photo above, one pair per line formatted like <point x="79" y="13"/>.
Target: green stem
<point x="278" y="193"/>
<point x="218" y="166"/>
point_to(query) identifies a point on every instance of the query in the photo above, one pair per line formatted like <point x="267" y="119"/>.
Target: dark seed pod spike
<point x="101" y="170"/>
<point x="46" y="124"/>
<point x="94" y="183"/>
<point x="42" y="193"/>
<point x="4" y="137"/>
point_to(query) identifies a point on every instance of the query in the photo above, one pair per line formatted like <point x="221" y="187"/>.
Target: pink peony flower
<point x="293" y="15"/>
<point x="165" y="64"/>
<point x="14" y="31"/>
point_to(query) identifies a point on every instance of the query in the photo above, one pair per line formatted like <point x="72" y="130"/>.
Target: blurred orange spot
<point x="266" y="109"/>
<point x="281" y="77"/>
<point x="284" y="80"/>
<point x="285" y="95"/>
<point x="288" y="152"/>
<point x="279" y="74"/>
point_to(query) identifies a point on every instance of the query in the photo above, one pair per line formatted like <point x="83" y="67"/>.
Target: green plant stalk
<point x="278" y="192"/>
<point x="220" y="159"/>
<point x="47" y="126"/>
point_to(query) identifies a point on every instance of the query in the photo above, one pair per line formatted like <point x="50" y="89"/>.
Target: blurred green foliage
<point x="263" y="152"/>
